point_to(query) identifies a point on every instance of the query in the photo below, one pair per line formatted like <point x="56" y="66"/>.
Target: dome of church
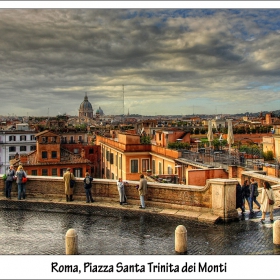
<point x="85" y="109"/>
<point x="86" y="105"/>
<point x="99" y="111"/>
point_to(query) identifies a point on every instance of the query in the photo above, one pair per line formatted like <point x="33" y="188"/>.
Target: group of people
<point x="17" y="176"/>
<point x="69" y="180"/>
<point x="142" y="189"/>
<point x="249" y="192"/>
<point x="69" y="189"/>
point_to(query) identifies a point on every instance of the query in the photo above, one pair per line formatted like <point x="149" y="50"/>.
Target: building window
<point x="78" y="172"/>
<point x="54" y="172"/>
<point x="32" y="148"/>
<point x="113" y="176"/>
<point x="34" y="172"/>
<point x="159" y="136"/>
<point x="134" y="165"/>
<point x="90" y="151"/>
<point x="120" y="162"/>
<point x="44" y="154"/>
<point x="22" y="138"/>
<point x="62" y="171"/>
<point x="111" y="158"/>
<point x="145" y="165"/>
<point x="44" y="139"/>
<point x="12" y="149"/>
<point x="169" y="170"/>
<point x="107" y="173"/>
<point x="54" y="154"/>
<point x="154" y="166"/>
<point x="81" y="139"/>
<point x="107" y="155"/>
<point x="22" y="148"/>
<point x="44" y="172"/>
<point x="12" y="138"/>
<point x="32" y="137"/>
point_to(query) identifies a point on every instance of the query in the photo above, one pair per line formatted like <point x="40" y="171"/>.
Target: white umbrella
<point x="230" y="138"/>
<point x="210" y="133"/>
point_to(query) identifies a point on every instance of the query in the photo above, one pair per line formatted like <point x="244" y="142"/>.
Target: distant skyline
<point x="171" y="61"/>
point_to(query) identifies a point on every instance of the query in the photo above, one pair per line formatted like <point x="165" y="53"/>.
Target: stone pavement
<point x="139" y="231"/>
<point x="131" y="206"/>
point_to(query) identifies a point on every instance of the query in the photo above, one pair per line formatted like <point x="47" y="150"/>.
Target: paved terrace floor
<point x="154" y="227"/>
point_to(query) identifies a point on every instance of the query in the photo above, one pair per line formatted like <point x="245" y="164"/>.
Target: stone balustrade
<point x="216" y="197"/>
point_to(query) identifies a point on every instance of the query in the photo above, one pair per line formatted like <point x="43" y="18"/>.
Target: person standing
<point x="142" y="191"/>
<point x="23" y="183"/>
<point x="254" y="192"/>
<point x="9" y="181"/>
<point x="67" y="177"/>
<point x="19" y="175"/>
<point x="246" y="194"/>
<point x="267" y="193"/>
<point x="87" y="185"/>
<point x="239" y="200"/>
<point x="121" y="190"/>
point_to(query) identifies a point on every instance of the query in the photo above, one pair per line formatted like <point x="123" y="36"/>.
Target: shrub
<point x="268" y="155"/>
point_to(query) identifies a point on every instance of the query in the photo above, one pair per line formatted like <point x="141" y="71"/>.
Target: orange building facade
<point x="126" y="158"/>
<point x="50" y="159"/>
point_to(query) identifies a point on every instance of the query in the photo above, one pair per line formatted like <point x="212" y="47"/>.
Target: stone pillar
<point x="224" y="198"/>
<point x="180" y="239"/>
<point x="276" y="232"/>
<point x="232" y="171"/>
<point x="71" y="242"/>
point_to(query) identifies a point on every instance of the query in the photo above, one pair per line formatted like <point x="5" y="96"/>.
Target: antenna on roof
<point x="123" y="101"/>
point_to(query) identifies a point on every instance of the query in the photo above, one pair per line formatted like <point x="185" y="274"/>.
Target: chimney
<point x="23" y="158"/>
<point x="83" y="153"/>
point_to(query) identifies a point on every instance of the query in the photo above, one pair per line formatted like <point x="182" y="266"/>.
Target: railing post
<point x="180" y="239"/>
<point x="224" y="198"/>
<point x="276" y="232"/>
<point x="71" y="242"/>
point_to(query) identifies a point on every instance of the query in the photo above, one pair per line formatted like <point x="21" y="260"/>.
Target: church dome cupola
<point x="85" y="109"/>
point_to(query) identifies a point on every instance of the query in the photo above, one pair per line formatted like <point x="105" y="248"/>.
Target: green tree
<point x="178" y="145"/>
<point x="219" y="143"/>
<point x="196" y="131"/>
<point x="202" y="131"/>
<point x="268" y="155"/>
<point x="145" y="139"/>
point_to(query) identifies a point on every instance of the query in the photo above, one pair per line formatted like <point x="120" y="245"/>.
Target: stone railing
<point x="217" y="197"/>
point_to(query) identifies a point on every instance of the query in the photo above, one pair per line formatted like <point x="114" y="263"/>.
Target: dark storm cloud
<point x="51" y="57"/>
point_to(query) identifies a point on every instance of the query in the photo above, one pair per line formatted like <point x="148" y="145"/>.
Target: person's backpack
<point x="20" y="175"/>
<point x="88" y="182"/>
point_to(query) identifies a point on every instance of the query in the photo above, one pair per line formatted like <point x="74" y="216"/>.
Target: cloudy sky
<point x="170" y="60"/>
